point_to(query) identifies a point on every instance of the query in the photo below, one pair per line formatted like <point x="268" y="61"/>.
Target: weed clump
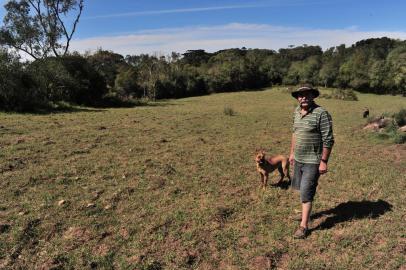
<point x="223" y="214"/>
<point x="229" y="111"/>
<point x="389" y="127"/>
<point x="150" y="265"/>
<point x="400" y="138"/>
<point x="400" y="117"/>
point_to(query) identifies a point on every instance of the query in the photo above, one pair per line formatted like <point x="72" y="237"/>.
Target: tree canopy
<point x="39" y="27"/>
<point x="373" y="65"/>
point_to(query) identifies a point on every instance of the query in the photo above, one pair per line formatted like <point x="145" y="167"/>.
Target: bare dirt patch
<point x="77" y="236"/>
<point x="397" y="152"/>
<point x="101" y="250"/>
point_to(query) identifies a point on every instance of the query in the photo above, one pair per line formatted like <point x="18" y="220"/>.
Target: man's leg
<point x="295" y="185"/>
<point x="308" y="187"/>
<point x="306" y="210"/>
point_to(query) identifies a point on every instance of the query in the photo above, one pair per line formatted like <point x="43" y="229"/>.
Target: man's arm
<point x="326" y="126"/>
<point x="292" y="149"/>
<point x="326" y="154"/>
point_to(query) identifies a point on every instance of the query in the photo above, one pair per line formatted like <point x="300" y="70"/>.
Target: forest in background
<point x="106" y="78"/>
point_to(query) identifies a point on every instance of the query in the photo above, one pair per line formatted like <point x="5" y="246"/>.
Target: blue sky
<point x="158" y="26"/>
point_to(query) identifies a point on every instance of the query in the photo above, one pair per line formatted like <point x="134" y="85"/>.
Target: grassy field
<point x="173" y="185"/>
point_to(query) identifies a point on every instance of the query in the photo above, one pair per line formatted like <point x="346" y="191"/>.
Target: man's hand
<point x="291" y="159"/>
<point x="322" y="167"/>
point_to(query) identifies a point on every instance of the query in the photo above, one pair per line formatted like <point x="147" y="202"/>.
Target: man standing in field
<point x="312" y="141"/>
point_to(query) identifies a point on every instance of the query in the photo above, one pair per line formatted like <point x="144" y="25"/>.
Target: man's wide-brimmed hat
<point x="306" y="88"/>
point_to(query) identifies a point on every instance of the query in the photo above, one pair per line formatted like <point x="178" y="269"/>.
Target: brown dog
<point x="266" y="166"/>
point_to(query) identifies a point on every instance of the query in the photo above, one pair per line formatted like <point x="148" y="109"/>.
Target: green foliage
<point x="52" y="78"/>
<point x="152" y="74"/>
<point x="293" y="77"/>
<point x="391" y="127"/>
<point x="235" y="69"/>
<point x="91" y="86"/>
<point x="396" y="61"/>
<point x="18" y="90"/>
<point x="342" y="94"/>
<point x="37" y="28"/>
<point x="400" y="117"/>
<point x="305" y="71"/>
<point x="400" y="138"/>
<point x="300" y="53"/>
<point x="47" y="83"/>
<point x="125" y="84"/>
<point x="107" y="64"/>
<point x="371" y="65"/>
<point x="195" y="57"/>
<point x="329" y="68"/>
<point x="274" y="67"/>
<point x="70" y="78"/>
<point x="390" y="130"/>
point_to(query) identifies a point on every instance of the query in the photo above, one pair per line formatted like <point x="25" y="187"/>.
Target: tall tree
<point x="108" y="64"/>
<point x="38" y="27"/>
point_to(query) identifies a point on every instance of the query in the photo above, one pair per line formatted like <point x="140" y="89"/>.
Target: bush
<point x="400" y="117"/>
<point x="18" y="91"/>
<point x="400" y="138"/>
<point x="90" y="85"/>
<point x="229" y="111"/>
<point x="52" y="79"/>
<point x="344" y="94"/>
<point x="69" y="79"/>
<point x="391" y="127"/>
<point x="390" y="131"/>
<point x="125" y="84"/>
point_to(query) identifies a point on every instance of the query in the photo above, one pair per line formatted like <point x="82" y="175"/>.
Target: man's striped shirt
<point x="313" y="131"/>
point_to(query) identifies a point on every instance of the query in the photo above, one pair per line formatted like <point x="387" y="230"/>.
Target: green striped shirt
<point x="313" y="132"/>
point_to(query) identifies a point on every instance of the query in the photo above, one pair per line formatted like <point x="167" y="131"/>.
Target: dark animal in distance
<point x="366" y="113"/>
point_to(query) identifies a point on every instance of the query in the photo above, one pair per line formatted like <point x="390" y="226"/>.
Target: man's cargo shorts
<point x="305" y="179"/>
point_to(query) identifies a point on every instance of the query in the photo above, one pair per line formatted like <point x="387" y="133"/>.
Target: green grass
<point x="173" y="185"/>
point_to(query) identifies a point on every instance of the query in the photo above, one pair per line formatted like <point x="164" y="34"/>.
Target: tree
<point x="293" y="75"/>
<point x="70" y="78"/>
<point x="151" y="72"/>
<point x="195" y="57"/>
<point x="17" y="92"/>
<point x="126" y="83"/>
<point x="310" y="69"/>
<point x="37" y="27"/>
<point x="330" y="66"/>
<point x="107" y="63"/>
<point x="275" y="68"/>
<point x="300" y="53"/>
<point x="397" y="63"/>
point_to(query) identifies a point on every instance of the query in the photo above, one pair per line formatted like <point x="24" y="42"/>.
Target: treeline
<point x="105" y="78"/>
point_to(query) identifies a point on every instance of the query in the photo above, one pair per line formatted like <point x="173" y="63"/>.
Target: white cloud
<point x="169" y="11"/>
<point x="213" y="38"/>
<point x="255" y="4"/>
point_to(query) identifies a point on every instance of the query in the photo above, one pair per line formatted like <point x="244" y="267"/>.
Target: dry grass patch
<point x="174" y="186"/>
